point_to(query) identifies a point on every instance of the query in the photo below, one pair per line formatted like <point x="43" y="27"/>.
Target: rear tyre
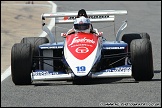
<point x="127" y="38"/>
<point x="35" y="42"/>
<point x="145" y="36"/>
<point x="142" y="59"/>
<point x="21" y="64"/>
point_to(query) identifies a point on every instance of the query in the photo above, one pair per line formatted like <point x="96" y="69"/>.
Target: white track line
<point x="6" y="74"/>
<point x="27" y="5"/>
<point x="54" y="9"/>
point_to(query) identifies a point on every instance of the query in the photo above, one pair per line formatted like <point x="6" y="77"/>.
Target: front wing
<point x="122" y="71"/>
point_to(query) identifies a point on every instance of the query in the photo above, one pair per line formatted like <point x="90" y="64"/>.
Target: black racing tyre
<point x="142" y="59"/>
<point x="127" y="38"/>
<point x="35" y="42"/>
<point x="21" y="64"/>
<point x="145" y="36"/>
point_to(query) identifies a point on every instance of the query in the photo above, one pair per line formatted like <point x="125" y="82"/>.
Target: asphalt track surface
<point x="143" y="16"/>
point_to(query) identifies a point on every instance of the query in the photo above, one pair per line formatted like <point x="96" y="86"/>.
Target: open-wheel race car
<point x="82" y="55"/>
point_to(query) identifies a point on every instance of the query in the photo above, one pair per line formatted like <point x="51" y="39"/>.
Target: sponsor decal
<point x="44" y="73"/>
<point x="113" y="47"/>
<point x="82" y="50"/>
<point x="81" y="40"/>
<point x="119" y="69"/>
<point x="81" y="45"/>
<point x="92" y="17"/>
<point x="51" y="47"/>
<point x="66" y="17"/>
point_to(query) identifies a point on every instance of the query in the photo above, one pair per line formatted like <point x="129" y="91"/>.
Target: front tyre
<point x="142" y="59"/>
<point x="21" y="64"/>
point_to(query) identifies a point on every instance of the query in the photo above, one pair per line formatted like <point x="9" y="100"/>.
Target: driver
<point x="82" y="24"/>
<point x="82" y="13"/>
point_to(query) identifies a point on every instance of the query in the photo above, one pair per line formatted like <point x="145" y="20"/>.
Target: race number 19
<point x="81" y="68"/>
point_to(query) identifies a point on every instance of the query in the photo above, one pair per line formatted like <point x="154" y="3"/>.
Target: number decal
<point x="81" y="68"/>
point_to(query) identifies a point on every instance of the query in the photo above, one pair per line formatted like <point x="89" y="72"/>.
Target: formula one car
<point x="82" y="55"/>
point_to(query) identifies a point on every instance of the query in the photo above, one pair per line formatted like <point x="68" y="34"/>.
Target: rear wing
<point x="69" y="17"/>
<point x="95" y="16"/>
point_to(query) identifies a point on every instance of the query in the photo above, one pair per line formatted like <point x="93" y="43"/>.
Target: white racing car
<point x="82" y="55"/>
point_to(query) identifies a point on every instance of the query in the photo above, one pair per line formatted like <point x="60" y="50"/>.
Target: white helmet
<point x="82" y="24"/>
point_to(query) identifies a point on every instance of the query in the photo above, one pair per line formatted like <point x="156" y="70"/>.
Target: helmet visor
<point x="81" y="26"/>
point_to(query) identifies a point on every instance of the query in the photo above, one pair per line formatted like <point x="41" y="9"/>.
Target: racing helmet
<point x="82" y="24"/>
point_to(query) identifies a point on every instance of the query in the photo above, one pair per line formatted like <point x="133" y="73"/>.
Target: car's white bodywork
<point x="83" y="67"/>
